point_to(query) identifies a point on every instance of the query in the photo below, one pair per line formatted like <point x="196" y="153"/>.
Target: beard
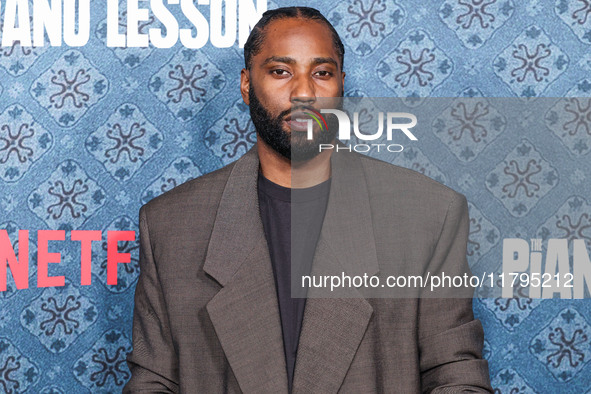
<point x="294" y="146"/>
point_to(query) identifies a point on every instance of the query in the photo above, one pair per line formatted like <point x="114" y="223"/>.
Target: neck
<point x="286" y="173"/>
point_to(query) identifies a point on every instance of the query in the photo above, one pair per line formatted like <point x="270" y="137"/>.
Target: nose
<point x="303" y="91"/>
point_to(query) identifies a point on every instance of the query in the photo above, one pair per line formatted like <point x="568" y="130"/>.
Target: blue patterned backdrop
<point x="89" y="134"/>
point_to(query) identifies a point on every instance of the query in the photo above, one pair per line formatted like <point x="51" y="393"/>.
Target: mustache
<point x="299" y="108"/>
<point x="309" y="108"/>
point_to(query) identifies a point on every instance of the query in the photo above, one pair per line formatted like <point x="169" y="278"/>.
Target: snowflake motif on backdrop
<point x="483" y="235"/>
<point x="231" y="135"/>
<point x="416" y="67"/>
<point x="17" y="372"/>
<point x="129" y="56"/>
<point x="563" y="346"/>
<point x="577" y="15"/>
<point x="17" y="59"/>
<point x="187" y="82"/>
<point x="69" y="88"/>
<point x="125" y="142"/>
<point x="571" y="221"/>
<point x="509" y="381"/>
<point x="510" y="312"/>
<point x="58" y="316"/>
<point x="530" y="63"/>
<point x="468" y="125"/>
<point x="12" y="230"/>
<point x="414" y="159"/>
<point x="67" y="198"/>
<point x="126" y="273"/>
<point x="570" y="120"/>
<point x="22" y="142"/>
<point x="475" y="21"/>
<point x="521" y="179"/>
<point x="180" y="171"/>
<point x="364" y="24"/>
<point x="103" y="367"/>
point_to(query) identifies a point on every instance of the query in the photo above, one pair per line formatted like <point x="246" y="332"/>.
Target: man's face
<point x="296" y="65"/>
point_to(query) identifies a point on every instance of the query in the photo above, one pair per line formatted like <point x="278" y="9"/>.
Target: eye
<point x="280" y="72"/>
<point x="324" y="73"/>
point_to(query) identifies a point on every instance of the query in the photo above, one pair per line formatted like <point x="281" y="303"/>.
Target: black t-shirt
<point x="291" y="216"/>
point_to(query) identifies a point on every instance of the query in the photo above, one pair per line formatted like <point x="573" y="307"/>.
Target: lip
<point x="298" y="120"/>
<point x="299" y="114"/>
<point x="296" y="125"/>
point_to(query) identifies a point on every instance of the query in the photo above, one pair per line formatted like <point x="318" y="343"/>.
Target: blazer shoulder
<point x="388" y="177"/>
<point x="207" y="188"/>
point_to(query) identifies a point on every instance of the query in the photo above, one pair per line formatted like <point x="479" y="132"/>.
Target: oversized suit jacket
<point x="206" y="317"/>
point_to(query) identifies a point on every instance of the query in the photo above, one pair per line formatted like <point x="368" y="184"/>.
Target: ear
<point x="343" y="79"/>
<point x="245" y="85"/>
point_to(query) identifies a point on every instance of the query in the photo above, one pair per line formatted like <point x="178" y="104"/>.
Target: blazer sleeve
<point x="153" y="361"/>
<point x="450" y="339"/>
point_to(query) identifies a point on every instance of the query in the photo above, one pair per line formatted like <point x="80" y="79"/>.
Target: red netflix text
<point x="19" y="267"/>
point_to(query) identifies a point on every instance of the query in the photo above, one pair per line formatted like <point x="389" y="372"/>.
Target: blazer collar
<point x="245" y="312"/>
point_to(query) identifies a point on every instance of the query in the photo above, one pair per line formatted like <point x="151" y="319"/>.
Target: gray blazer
<point x="206" y="316"/>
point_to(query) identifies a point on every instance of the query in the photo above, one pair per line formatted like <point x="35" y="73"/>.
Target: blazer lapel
<point x="245" y="312"/>
<point x="333" y="328"/>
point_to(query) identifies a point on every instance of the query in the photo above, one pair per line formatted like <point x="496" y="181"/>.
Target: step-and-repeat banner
<point x="106" y="105"/>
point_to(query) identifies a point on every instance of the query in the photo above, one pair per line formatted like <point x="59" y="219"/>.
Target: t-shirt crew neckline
<point x="283" y="193"/>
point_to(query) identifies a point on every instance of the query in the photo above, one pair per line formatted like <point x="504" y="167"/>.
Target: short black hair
<point x="257" y="36"/>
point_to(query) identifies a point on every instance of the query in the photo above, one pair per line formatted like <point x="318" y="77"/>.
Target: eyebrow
<point x="289" y="60"/>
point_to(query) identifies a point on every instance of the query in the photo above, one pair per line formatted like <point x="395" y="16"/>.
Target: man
<point x="212" y="307"/>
